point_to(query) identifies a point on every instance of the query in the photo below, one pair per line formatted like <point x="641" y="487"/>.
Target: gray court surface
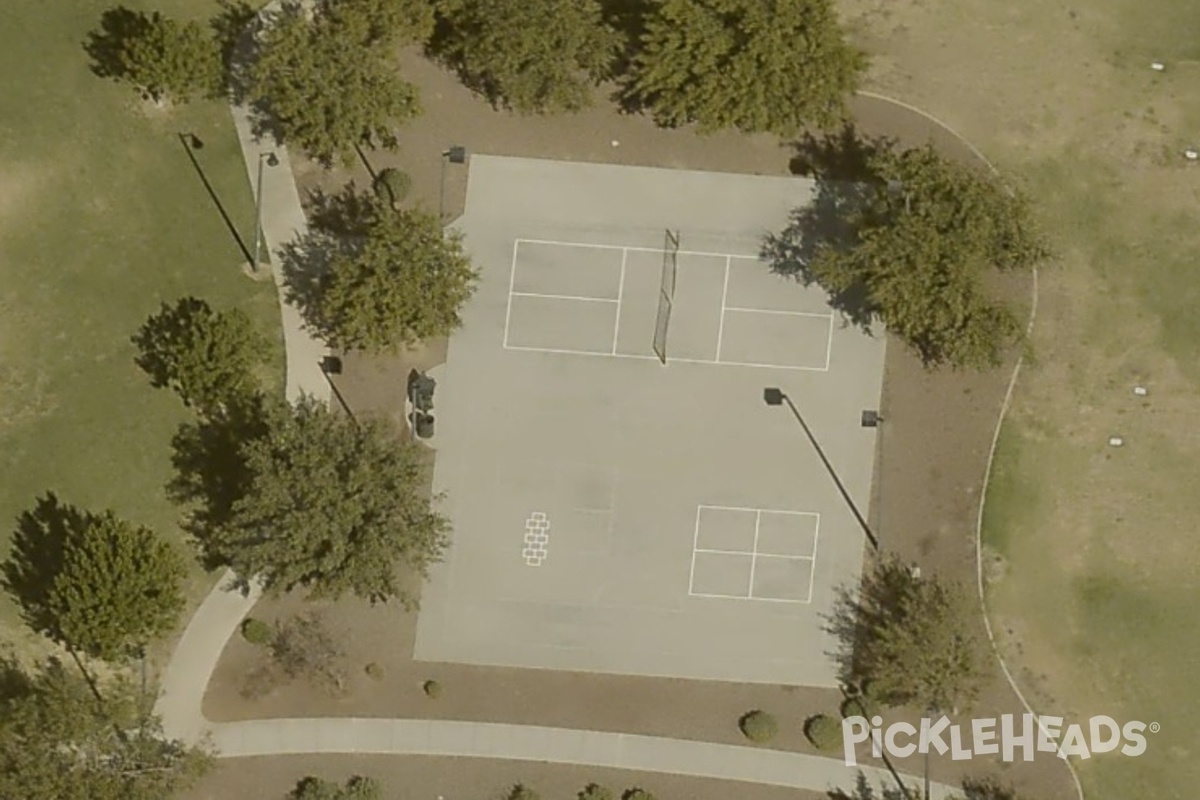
<point x="614" y="514"/>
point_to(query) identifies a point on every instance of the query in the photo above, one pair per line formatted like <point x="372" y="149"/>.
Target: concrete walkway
<point x="283" y="221"/>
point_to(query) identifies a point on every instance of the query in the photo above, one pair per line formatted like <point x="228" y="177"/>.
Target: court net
<point x="666" y="293"/>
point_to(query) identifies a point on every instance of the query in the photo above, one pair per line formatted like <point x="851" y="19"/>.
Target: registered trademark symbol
<point x="1155" y="727"/>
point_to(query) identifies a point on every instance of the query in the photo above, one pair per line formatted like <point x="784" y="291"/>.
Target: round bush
<point x="824" y="732"/>
<point x="373" y="670"/>
<point x="255" y="631"/>
<point x="433" y="689"/>
<point x="758" y="726"/>
<point x="392" y="185"/>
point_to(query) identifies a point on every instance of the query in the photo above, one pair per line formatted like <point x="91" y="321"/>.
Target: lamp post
<point x="775" y="397"/>
<point x="271" y="160"/>
<point x="456" y="154"/>
<point x="330" y="366"/>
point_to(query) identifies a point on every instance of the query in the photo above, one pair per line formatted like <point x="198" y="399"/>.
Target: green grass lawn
<point x="1096" y="603"/>
<point x="102" y="217"/>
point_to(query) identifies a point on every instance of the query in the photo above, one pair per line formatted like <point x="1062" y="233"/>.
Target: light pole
<point x="330" y="366"/>
<point x="455" y="154"/>
<point x="775" y="397"/>
<point x="273" y="161"/>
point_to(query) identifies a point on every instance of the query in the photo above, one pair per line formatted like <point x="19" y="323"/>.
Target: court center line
<point x="724" y="295"/>
<point x="512" y="280"/>
<point x="554" y="243"/>
<point x="829" y="344"/>
<point x="778" y="313"/>
<point x="812" y="569"/>
<point x="582" y="298"/>
<point x="695" y="541"/>
<point x="751" y="597"/>
<point x="620" y="296"/>
<point x="750" y="553"/>
<point x="706" y="361"/>
<point x="767" y="510"/>
<point x="754" y="556"/>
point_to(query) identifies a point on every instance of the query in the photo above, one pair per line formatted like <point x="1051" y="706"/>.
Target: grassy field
<point x="102" y="217"/>
<point x="1097" y="560"/>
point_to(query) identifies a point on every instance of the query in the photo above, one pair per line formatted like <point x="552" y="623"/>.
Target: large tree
<point x="911" y="639"/>
<point x="328" y="82"/>
<point x="162" y="57"/>
<point x="58" y="743"/>
<point x="533" y="56"/>
<point x="913" y="248"/>
<point x="94" y="583"/>
<point x="328" y="504"/>
<point x="397" y="279"/>
<point x="208" y="357"/>
<point x="756" y="65"/>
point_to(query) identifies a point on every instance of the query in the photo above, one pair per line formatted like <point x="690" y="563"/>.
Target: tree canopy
<point x="909" y="638"/>
<point x="913" y="248"/>
<point x="328" y="82"/>
<point x="755" y="65"/>
<point x="162" y="57"/>
<point x="207" y="357"/>
<point x="92" y="582"/>
<point x="58" y="743"/>
<point x="321" y="502"/>
<point x="532" y="56"/>
<point x="398" y="279"/>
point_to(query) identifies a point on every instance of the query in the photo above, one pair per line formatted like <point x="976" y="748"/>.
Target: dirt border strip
<point x="1004" y="407"/>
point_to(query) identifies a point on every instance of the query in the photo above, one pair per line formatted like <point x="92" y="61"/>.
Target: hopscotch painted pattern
<point x="537" y="539"/>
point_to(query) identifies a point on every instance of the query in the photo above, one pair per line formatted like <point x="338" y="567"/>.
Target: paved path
<point x="283" y="221"/>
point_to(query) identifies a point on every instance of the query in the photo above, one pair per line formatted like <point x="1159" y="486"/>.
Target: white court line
<point x="564" y="297"/>
<point x="812" y="569"/>
<point x="724" y="295"/>
<point x="754" y="557"/>
<point x="768" y="510"/>
<point x="512" y="280"/>
<point x="829" y="344"/>
<point x="751" y="597"/>
<point x="708" y="361"/>
<point x="620" y="296"/>
<point x="636" y="249"/>
<point x="771" y="555"/>
<point x="779" y="313"/>
<point x="695" y="541"/>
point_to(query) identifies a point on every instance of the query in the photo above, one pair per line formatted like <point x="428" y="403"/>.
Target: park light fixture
<point x="271" y="160"/>
<point x="774" y="396"/>
<point x="455" y="154"/>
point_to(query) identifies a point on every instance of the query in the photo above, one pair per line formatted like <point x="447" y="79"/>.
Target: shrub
<point x="520" y="791"/>
<point x="758" y="726"/>
<point x="255" y="631"/>
<point x="374" y="670"/>
<point x="392" y="185"/>
<point x="824" y="732"/>
<point x="637" y="793"/>
<point x="594" y="791"/>
<point x="433" y="690"/>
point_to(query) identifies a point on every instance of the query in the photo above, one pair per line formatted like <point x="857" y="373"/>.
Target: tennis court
<point x="622" y="499"/>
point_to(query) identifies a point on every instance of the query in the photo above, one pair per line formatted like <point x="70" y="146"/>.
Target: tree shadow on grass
<point x="211" y="474"/>
<point x="36" y="557"/>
